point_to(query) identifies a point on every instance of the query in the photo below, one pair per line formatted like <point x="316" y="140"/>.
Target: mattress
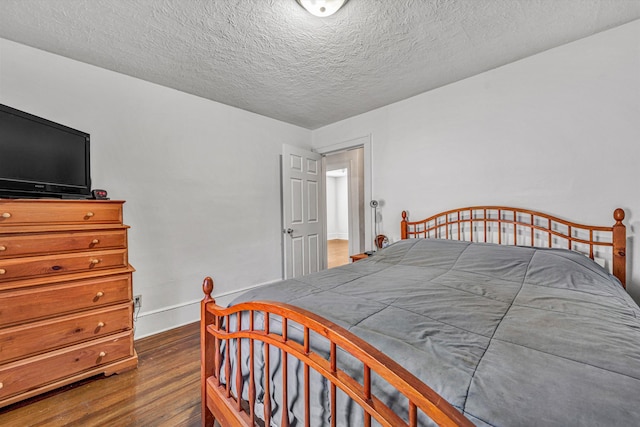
<point x="509" y="335"/>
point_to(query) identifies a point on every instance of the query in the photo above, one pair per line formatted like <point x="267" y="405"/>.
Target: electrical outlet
<point x="137" y="301"/>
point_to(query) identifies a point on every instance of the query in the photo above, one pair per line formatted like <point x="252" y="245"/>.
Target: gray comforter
<point x="511" y="336"/>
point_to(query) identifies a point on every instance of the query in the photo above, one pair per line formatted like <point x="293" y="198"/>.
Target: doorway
<point x="337" y="187"/>
<point x="306" y="251"/>
<point x="344" y="178"/>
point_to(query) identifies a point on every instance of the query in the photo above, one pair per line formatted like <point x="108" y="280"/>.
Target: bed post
<point x="403" y="226"/>
<point x="206" y="349"/>
<point x="619" y="248"/>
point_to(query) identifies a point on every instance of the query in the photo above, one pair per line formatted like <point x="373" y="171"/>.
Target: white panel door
<point x="302" y="212"/>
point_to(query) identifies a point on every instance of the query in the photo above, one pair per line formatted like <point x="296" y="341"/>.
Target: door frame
<point x="365" y="143"/>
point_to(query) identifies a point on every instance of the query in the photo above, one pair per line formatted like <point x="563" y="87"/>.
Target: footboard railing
<point x="230" y="376"/>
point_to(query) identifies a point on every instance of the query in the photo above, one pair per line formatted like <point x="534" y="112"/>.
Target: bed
<point x="477" y="316"/>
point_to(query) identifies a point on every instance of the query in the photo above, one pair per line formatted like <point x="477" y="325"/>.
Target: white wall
<point x="558" y="132"/>
<point x="342" y="206"/>
<point x="337" y="208"/>
<point x="201" y="179"/>
<point x="330" y="186"/>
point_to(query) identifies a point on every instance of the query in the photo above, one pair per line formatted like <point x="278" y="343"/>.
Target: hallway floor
<point x="337" y="252"/>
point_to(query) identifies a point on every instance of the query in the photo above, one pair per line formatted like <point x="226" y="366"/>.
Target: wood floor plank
<point x="163" y="391"/>
<point x="337" y="252"/>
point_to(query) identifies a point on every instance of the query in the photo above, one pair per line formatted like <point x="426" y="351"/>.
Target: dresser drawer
<point x="27" y="374"/>
<point x="46" y="301"/>
<point x="25" y="212"/>
<point x="16" y="245"/>
<point x="39" y="337"/>
<point x="16" y="268"/>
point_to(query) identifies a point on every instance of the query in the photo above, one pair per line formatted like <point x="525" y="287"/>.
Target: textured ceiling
<point x="275" y="59"/>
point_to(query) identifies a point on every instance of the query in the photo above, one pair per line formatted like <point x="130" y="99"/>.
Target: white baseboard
<point x="339" y="236"/>
<point x="155" y="321"/>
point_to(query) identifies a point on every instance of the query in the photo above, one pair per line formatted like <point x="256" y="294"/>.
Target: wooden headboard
<point x="514" y="226"/>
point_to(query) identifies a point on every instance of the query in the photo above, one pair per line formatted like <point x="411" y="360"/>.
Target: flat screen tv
<point x="40" y="158"/>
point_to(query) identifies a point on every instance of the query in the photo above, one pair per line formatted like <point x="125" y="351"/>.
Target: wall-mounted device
<point x="374" y="205"/>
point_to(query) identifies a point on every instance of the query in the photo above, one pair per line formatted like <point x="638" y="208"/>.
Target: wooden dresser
<point x="66" y="309"/>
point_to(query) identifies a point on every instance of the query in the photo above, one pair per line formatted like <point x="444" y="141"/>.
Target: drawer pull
<point x="3" y="248"/>
<point x="6" y="215"/>
<point x="1" y="385"/>
<point x="102" y="354"/>
<point x="99" y="294"/>
<point x="100" y="324"/>
<point x="95" y="261"/>
<point x="89" y="214"/>
<point x="95" y="241"/>
<point x="2" y="271"/>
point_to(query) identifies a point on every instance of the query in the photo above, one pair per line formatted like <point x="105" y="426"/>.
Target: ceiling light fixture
<point x="322" y="8"/>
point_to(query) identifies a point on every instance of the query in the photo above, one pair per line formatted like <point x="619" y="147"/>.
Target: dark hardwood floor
<point x="163" y="391"/>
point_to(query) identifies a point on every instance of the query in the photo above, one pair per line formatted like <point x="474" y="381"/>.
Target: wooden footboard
<point x="229" y="394"/>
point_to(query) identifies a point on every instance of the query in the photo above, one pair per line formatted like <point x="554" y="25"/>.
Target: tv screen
<point x="40" y="158"/>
